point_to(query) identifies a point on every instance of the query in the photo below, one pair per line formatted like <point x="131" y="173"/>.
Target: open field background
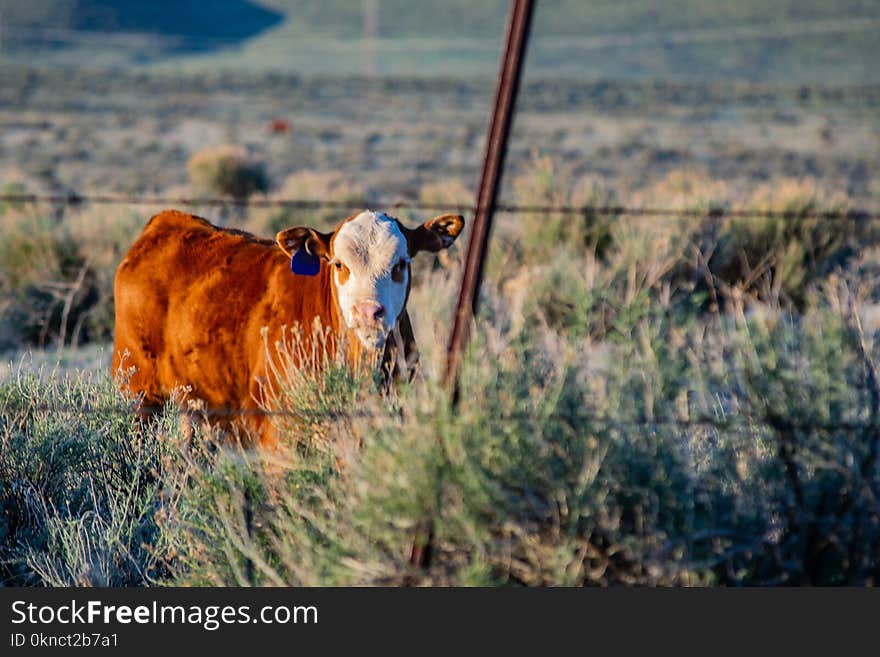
<point x="806" y="41"/>
<point x="666" y="400"/>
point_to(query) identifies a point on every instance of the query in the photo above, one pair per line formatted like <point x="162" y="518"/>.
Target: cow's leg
<point x="257" y="420"/>
<point x="133" y="374"/>
<point x="401" y="356"/>
<point x="268" y="434"/>
<point x="410" y="349"/>
<point x="148" y="411"/>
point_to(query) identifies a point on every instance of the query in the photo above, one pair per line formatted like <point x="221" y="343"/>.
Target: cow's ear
<point x="435" y="234"/>
<point x="299" y="238"/>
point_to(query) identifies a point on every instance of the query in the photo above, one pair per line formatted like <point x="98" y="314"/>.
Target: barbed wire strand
<point x="76" y="199"/>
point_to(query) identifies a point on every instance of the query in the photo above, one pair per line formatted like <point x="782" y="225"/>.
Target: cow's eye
<point x="341" y="271"/>
<point x="398" y="270"/>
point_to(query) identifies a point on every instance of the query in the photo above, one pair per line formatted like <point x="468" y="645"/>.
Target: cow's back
<point x="191" y="300"/>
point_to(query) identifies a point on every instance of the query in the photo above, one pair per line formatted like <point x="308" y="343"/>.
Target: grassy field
<point x="666" y="400"/>
<point x="680" y="401"/>
<point x="134" y="132"/>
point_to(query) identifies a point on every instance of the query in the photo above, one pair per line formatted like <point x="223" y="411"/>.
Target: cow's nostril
<point x="369" y="311"/>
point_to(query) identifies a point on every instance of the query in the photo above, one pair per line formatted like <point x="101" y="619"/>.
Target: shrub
<point x="102" y="235"/>
<point x="45" y="285"/>
<point x="608" y="432"/>
<point x="227" y="170"/>
<point x="56" y="275"/>
<point x="80" y="484"/>
<point x="677" y="458"/>
<point x="541" y="234"/>
<point x="776" y="259"/>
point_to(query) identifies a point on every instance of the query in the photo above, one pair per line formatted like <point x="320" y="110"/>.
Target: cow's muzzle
<point x="369" y="323"/>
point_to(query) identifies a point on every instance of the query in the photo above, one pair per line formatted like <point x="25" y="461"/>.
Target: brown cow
<point x="192" y="301"/>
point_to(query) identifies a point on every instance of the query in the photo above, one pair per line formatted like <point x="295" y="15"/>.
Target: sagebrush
<point x="632" y="411"/>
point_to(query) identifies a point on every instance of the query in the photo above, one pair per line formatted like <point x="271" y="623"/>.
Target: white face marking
<point x="370" y="246"/>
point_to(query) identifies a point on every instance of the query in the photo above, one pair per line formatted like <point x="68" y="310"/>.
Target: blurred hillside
<point x="231" y="19"/>
<point x="781" y="41"/>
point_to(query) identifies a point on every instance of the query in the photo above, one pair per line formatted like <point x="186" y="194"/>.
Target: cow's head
<point x="369" y="256"/>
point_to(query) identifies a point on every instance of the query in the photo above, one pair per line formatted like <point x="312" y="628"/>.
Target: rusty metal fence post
<point x="487" y="196"/>
<point x="490" y="181"/>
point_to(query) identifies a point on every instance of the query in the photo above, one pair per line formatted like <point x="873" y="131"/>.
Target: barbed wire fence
<point x="732" y="421"/>
<point x="76" y="199"/>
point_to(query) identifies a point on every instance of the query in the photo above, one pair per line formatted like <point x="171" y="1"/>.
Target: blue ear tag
<point x="304" y="263"/>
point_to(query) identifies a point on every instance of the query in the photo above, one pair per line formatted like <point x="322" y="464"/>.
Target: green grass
<point x="80" y="484"/>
